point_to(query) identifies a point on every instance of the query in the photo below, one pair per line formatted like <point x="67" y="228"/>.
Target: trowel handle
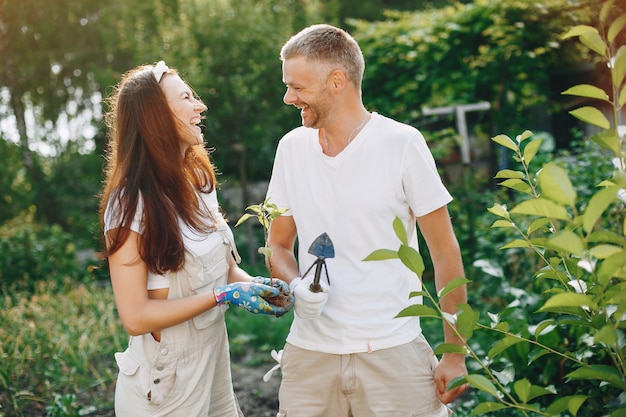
<point x="315" y="285"/>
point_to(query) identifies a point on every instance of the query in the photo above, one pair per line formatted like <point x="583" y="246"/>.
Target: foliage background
<point x="59" y="59"/>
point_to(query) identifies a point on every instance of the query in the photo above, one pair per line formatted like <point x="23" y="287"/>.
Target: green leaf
<point x="502" y="223"/>
<point x="451" y="286"/>
<point x="526" y="134"/>
<point x="598" y="204"/>
<point x="566" y="241"/>
<point x="398" y="227"/>
<point x="593" y="41"/>
<point x="530" y="150"/>
<point x="449" y="348"/>
<point x="536" y="354"/>
<point x="606" y="335"/>
<point x="619" y="66"/>
<point x="527" y="392"/>
<point x="607" y="236"/>
<point x="457" y="382"/>
<point x="556" y="185"/>
<point x="418" y="310"/>
<point x="265" y="251"/>
<point x="505" y="141"/>
<point x="516" y="184"/>
<point x="510" y="174"/>
<point x="605" y="251"/>
<point x="499" y="210"/>
<point x="606" y="8"/>
<point x="587" y="90"/>
<point x="563" y="302"/>
<point x="382" y="255"/>
<point x="618" y="412"/>
<point x="608" y="139"/>
<point x="537" y="224"/>
<point x="541" y="207"/>
<point x="466" y="321"/>
<point x="592" y="116"/>
<point x="517" y="243"/>
<point x="417" y="294"/>
<point x="548" y="323"/>
<point x="483" y="384"/>
<point x="571" y="403"/>
<point x="573" y="321"/>
<point x="622" y="96"/>
<point x="487" y="407"/>
<point x="411" y="259"/>
<point x="243" y="218"/>
<point x="599" y="372"/>
<point x="613" y="266"/>
<point x="503" y="344"/>
<point x="579" y="30"/>
<point x="616" y="27"/>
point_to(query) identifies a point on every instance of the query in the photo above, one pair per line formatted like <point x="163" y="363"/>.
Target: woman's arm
<point x="139" y="313"/>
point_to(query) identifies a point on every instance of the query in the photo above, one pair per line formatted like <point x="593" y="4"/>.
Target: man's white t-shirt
<point x="387" y="171"/>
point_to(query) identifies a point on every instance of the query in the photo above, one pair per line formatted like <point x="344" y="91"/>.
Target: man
<point x="349" y="173"/>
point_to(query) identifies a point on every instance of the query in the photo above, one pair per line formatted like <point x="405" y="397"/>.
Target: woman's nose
<point x="200" y="106"/>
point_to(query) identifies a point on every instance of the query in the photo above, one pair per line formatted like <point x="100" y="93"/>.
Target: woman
<point x="171" y="255"/>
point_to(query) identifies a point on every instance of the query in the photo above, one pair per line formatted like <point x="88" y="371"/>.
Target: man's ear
<point x="337" y="80"/>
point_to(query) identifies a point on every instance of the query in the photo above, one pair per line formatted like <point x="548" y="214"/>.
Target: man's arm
<point x="445" y="253"/>
<point x="281" y="240"/>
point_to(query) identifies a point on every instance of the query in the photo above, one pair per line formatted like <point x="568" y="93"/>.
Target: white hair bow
<point x="159" y="69"/>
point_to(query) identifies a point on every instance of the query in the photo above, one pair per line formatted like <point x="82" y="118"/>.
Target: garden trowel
<point x="322" y="247"/>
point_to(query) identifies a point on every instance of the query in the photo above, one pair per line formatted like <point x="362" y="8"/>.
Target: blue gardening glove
<point x="308" y="304"/>
<point x="285" y="293"/>
<point x="249" y="296"/>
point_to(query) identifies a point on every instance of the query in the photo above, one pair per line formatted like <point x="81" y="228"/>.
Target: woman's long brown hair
<point x="144" y="156"/>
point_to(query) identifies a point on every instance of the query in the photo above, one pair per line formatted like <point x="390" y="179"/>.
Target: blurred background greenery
<point x="59" y="59"/>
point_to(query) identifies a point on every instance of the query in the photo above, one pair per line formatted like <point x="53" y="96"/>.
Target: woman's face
<point x="186" y="108"/>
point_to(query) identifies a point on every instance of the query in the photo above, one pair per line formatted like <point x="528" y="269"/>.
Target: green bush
<point x="557" y="346"/>
<point x="30" y="252"/>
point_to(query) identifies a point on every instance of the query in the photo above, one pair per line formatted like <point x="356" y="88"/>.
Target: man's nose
<point x="289" y="97"/>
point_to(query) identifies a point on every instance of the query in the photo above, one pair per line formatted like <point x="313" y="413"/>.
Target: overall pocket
<point x="214" y="273"/>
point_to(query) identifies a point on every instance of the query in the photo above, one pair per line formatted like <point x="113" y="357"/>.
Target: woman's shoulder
<point x="116" y="208"/>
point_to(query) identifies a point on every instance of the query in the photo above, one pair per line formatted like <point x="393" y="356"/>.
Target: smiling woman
<point x="171" y="255"/>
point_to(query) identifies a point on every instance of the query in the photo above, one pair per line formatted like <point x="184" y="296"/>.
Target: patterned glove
<point x="285" y="291"/>
<point x="249" y="296"/>
<point x="308" y="304"/>
<point x="278" y="283"/>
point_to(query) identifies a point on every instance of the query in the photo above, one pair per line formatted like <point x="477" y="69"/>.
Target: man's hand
<point x="308" y="304"/>
<point x="452" y="366"/>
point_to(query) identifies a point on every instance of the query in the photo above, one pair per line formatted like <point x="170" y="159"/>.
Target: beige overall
<point x="188" y="373"/>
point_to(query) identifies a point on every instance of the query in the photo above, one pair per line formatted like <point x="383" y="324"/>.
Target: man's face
<point x="307" y="90"/>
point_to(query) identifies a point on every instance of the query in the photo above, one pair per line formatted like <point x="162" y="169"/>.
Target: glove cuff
<point x="294" y="283"/>
<point x="220" y="296"/>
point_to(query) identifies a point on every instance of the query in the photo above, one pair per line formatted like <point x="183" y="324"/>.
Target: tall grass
<point x="57" y="347"/>
<point x="58" y="344"/>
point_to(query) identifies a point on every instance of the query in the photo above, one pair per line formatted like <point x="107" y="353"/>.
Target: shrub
<point x="558" y="347"/>
<point x="30" y="252"/>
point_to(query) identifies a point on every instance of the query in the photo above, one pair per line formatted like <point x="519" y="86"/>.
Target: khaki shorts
<point x="394" y="382"/>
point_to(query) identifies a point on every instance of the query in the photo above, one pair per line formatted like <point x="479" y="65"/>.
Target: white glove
<point x="277" y="356"/>
<point x="308" y="304"/>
